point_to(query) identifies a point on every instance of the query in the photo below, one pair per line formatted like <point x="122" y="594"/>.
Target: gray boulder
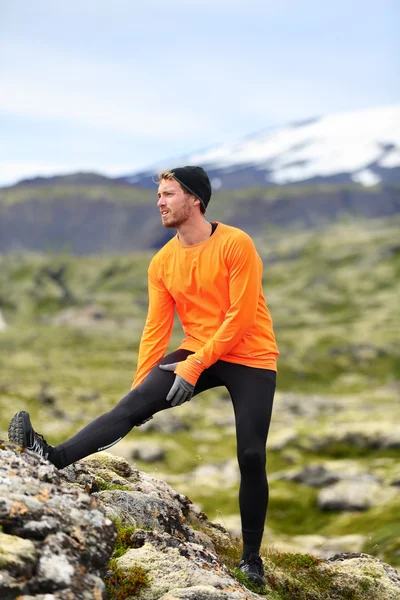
<point x="368" y="436"/>
<point x="319" y="475"/>
<point x="353" y="495"/>
<point x="148" y="452"/>
<point x="167" y="422"/>
<point x="56" y="541"/>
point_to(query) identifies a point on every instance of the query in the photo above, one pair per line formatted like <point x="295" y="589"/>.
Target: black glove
<point x="181" y="390"/>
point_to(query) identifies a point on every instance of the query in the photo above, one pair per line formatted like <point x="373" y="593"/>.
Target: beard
<point x="178" y="218"/>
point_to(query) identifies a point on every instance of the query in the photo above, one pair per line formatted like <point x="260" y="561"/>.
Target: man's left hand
<point x="181" y="390"/>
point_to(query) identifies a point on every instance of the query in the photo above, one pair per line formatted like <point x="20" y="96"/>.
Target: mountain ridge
<point x="304" y="175"/>
<point x="350" y="147"/>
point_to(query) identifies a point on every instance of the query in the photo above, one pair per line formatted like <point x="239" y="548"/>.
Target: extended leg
<point x="105" y="431"/>
<point x="108" y="429"/>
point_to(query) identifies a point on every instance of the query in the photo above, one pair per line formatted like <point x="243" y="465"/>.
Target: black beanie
<point x="196" y="181"/>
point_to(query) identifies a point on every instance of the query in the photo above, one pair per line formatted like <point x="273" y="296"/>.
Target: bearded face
<point x="174" y="204"/>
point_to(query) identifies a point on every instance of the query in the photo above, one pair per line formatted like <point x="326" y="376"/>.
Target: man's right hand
<point x="181" y="390"/>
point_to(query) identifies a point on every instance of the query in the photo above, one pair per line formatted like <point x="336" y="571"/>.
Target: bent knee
<point x="129" y="404"/>
<point x="252" y="459"/>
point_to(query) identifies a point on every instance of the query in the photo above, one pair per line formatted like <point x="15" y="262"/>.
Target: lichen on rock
<point x="55" y="540"/>
<point x="58" y="542"/>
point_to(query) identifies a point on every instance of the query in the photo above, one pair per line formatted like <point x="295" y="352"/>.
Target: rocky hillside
<point x="102" y="529"/>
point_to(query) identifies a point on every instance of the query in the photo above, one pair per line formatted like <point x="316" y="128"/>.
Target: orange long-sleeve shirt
<point x="216" y="287"/>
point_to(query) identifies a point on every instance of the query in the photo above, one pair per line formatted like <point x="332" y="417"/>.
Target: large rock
<point x="219" y="475"/>
<point x="82" y="316"/>
<point x="136" y="499"/>
<point x="313" y="475"/>
<point x="364" y="436"/>
<point x="148" y="452"/>
<point x="372" y="574"/>
<point x="353" y="495"/>
<point x="174" y="567"/>
<point x="166" y="422"/>
<point x="320" y="475"/>
<point x="55" y="537"/>
<point x="311" y="406"/>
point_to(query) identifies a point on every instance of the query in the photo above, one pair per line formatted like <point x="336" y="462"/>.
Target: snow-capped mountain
<point x="351" y="147"/>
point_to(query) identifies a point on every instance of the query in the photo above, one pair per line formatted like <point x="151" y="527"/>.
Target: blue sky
<point x="117" y="86"/>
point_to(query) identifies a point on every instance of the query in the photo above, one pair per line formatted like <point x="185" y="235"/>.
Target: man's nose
<point x="161" y="201"/>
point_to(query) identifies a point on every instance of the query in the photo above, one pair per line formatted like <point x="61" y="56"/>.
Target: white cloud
<point x="178" y="76"/>
<point x="104" y="112"/>
<point x="116" y="97"/>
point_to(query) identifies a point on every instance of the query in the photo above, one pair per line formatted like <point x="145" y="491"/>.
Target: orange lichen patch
<point x="18" y="508"/>
<point x="97" y="593"/>
<point x="43" y="495"/>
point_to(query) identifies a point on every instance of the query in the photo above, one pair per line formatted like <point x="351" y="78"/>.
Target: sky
<point x="114" y="87"/>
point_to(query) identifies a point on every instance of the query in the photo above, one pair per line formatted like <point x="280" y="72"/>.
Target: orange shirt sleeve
<point x="158" y="327"/>
<point x="245" y="275"/>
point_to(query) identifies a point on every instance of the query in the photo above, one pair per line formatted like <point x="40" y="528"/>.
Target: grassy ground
<point x="333" y="296"/>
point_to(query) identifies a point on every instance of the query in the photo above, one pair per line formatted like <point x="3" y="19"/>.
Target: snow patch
<point x="335" y="144"/>
<point x="391" y="159"/>
<point x="366" y="178"/>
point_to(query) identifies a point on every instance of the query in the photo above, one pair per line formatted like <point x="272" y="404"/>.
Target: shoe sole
<point x="257" y="579"/>
<point x="16" y="429"/>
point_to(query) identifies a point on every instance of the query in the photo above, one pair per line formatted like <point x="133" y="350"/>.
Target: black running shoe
<point x="21" y="432"/>
<point x="252" y="566"/>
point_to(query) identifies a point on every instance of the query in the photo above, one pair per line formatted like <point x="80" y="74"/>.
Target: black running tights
<point x="252" y="391"/>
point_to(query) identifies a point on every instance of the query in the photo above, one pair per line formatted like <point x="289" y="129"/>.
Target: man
<point x="212" y="274"/>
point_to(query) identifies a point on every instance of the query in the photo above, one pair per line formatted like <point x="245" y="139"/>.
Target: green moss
<point x="299" y="577"/>
<point x="385" y="543"/>
<point x="365" y="584"/>
<point x="379" y="524"/>
<point x="121" y="584"/>
<point x="251" y="585"/>
<point x="289" y="576"/>
<point x="230" y="553"/>
<point x="292" y="562"/>
<point x="293" y="510"/>
<point x="102" y="484"/>
<point x="123" y="541"/>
